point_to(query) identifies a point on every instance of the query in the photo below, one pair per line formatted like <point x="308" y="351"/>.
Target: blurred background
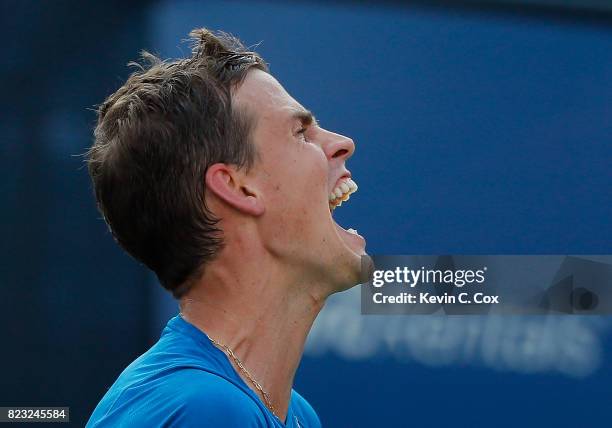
<point x="481" y="128"/>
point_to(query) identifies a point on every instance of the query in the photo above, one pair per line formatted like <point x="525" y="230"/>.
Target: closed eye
<point x="306" y="120"/>
<point x="302" y="132"/>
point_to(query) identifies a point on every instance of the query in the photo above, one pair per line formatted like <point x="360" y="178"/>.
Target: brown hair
<point x="154" y="140"/>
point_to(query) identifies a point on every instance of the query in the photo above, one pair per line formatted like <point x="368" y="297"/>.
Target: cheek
<point x="301" y="185"/>
<point x="311" y="172"/>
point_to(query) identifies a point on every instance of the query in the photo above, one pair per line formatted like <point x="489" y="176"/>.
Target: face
<point x="300" y="169"/>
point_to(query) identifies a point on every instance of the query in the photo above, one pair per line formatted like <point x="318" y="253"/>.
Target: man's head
<point x="189" y="154"/>
<point x="299" y="165"/>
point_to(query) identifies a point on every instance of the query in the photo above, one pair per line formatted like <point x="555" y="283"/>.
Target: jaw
<point x="353" y="242"/>
<point x="351" y="249"/>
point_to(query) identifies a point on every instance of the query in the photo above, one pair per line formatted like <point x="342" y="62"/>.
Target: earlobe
<point x="223" y="181"/>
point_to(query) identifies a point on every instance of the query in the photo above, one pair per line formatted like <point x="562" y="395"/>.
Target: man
<point x="212" y="175"/>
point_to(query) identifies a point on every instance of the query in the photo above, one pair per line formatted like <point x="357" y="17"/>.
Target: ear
<point x="224" y="181"/>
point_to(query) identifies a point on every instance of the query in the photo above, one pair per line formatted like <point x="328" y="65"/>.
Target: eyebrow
<point x="305" y="116"/>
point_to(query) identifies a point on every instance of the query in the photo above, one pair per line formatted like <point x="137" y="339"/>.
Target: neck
<point x="262" y="314"/>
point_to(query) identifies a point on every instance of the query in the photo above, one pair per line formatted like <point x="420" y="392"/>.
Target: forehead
<point x="261" y="94"/>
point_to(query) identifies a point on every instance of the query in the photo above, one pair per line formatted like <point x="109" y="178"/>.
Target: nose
<point x="338" y="147"/>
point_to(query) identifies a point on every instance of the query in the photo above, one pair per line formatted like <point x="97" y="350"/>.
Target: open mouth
<point x="339" y="194"/>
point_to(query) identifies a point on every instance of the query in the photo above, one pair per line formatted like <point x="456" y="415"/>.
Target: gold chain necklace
<point x="243" y="369"/>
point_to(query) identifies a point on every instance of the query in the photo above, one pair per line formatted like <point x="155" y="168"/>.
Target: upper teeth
<point x="341" y="193"/>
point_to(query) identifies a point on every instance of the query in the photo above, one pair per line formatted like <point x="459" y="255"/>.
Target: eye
<point x="302" y="133"/>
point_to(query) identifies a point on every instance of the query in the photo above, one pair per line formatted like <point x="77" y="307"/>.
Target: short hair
<point x="154" y="140"/>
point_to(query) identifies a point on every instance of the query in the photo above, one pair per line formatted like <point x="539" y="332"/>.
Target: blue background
<point x="477" y="131"/>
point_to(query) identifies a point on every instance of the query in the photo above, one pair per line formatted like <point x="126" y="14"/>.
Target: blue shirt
<point x="186" y="381"/>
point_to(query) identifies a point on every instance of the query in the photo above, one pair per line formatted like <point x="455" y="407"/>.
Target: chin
<point x="354" y="242"/>
<point x="348" y="264"/>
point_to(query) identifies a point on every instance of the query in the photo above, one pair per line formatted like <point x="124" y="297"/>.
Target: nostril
<point x="340" y="153"/>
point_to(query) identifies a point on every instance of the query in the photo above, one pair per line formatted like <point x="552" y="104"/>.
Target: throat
<point x="264" y="340"/>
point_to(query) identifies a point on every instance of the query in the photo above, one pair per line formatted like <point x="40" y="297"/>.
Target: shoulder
<point x="306" y="415"/>
<point x="185" y="398"/>
<point x="206" y="399"/>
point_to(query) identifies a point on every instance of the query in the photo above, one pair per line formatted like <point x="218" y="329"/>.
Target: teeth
<point x="341" y="193"/>
<point x="353" y="231"/>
